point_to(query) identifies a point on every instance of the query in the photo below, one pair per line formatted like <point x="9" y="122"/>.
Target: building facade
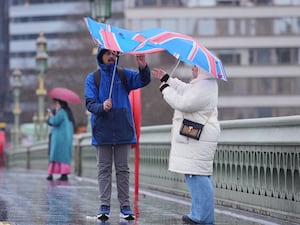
<point x="257" y="40"/>
<point x="4" y="60"/>
<point x="61" y="22"/>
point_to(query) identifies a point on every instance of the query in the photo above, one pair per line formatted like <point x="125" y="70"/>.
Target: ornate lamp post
<point x="16" y="111"/>
<point x="42" y="66"/>
<point x="100" y="9"/>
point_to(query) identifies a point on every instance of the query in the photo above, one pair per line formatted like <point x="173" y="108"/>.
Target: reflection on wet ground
<point x="27" y="198"/>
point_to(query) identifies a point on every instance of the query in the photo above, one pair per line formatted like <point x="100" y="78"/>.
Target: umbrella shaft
<point x="113" y="78"/>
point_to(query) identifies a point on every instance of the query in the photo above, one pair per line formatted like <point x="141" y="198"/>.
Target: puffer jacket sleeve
<point x="92" y="102"/>
<point x="191" y="97"/>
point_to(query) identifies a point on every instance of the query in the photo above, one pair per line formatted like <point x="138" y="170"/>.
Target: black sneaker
<point x="188" y="220"/>
<point x="126" y="213"/>
<point x="103" y="212"/>
<point x="63" y="177"/>
<point x="50" y="177"/>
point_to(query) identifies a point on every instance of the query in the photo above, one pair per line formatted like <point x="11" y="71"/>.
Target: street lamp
<point x="42" y="67"/>
<point x="100" y="9"/>
<point x="16" y="111"/>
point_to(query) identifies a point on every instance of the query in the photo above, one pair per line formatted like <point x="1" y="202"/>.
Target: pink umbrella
<point x="64" y="94"/>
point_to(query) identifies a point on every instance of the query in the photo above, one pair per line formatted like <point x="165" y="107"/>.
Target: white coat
<point x="196" y="101"/>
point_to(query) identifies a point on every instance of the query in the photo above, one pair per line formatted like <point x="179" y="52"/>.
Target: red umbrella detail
<point x="64" y="94"/>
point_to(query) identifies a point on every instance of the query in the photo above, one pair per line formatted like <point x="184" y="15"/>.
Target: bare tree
<point x="71" y="64"/>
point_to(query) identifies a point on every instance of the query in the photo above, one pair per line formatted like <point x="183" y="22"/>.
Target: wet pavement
<point x="27" y="198"/>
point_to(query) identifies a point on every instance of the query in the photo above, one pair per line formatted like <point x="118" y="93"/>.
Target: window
<point x="263" y="56"/>
<point x="186" y="26"/>
<point x="148" y="24"/>
<point x="229" y="56"/>
<point x="264" y="26"/>
<point x="169" y="24"/>
<point x="264" y="112"/>
<point x="207" y="27"/>
<point x="283" y="55"/>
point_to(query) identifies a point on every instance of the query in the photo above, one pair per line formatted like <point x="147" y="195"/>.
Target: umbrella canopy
<point x="184" y="48"/>
<point x="118" y="39"/>
<point x="64" y="94"/>
<point x="111" y="37"/>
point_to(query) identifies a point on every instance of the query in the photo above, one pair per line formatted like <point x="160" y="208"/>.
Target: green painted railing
<point x="256" y="166"/>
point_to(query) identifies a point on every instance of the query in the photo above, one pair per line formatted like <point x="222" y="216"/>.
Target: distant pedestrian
<point x="61" y="140"/>
<point x="195" y="105"/>
<point x="113" y="125"/>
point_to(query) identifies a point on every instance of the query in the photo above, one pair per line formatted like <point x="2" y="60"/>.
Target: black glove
<point x="165" y="78"/>
<point x="162" y="87"/>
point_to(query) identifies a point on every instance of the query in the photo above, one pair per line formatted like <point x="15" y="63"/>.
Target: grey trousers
<point x="105" y="155"/>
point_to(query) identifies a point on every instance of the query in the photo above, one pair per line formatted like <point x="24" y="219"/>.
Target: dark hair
<point x="66" y="107"/>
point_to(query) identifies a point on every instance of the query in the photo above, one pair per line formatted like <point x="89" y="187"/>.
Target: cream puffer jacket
<point x="196" y="101"/>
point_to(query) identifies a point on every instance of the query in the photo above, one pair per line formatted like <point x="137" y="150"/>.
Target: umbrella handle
<point x="113" y="77"/>
<point x="175" y="67"/>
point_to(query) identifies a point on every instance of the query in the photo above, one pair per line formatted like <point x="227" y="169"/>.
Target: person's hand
<point x="107" y="104"/>
<point x="158" y="73"/>
<point x="49" y="113"/>
<point x="141" y="60"/>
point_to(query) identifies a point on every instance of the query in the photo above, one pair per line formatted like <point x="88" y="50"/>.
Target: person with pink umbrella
<point x="60" y="154"/>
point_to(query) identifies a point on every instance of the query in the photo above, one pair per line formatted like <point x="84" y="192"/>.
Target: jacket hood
<point x="100" y="53"/>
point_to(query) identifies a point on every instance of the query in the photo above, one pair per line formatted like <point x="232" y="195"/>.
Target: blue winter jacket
<point x="95" y="97"/>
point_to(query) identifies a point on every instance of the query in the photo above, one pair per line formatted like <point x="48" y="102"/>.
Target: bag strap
<point x="120" y="71"/>
<point x="210" y="114"/>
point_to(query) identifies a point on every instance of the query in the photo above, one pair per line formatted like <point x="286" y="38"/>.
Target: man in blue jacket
<point x="113" y="125"/>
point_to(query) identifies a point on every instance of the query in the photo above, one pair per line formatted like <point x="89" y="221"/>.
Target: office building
<point x="4" y="60"/>
<point x="257" y="40"/>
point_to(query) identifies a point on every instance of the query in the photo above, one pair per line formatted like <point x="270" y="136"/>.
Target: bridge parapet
<point x="256" y="166"/>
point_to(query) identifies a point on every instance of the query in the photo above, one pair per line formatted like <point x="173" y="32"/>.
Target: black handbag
<point x="191" y="129"/>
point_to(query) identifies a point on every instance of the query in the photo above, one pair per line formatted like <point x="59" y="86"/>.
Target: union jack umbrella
<point x="111" y="37"/>
<point x="118" y="39"/>
<point x="184" y="48"/>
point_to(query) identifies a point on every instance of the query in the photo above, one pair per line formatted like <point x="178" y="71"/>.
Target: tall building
<point x="61" y="22"/>
<point x="58" y="20"/>
<point x="257" y="40"/>
<point x="4" y="59"/>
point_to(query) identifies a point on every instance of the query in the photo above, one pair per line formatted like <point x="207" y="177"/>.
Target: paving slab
<point x="27" y="198"/>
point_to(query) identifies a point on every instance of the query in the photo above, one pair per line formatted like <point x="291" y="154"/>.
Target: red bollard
<point x="135" y="100"/>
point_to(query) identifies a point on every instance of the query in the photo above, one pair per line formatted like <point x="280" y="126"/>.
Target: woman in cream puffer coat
<point x="195" y="101"/>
